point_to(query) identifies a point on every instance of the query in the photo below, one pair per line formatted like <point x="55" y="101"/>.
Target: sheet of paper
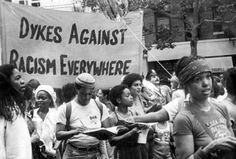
<point x="113" y="129"/>
<point x="142" y="138"/>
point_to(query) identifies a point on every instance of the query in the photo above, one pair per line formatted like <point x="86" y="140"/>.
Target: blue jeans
<point x="73" y="153"/>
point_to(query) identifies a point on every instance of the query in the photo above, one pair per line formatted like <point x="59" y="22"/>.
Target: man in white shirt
<point x="85" y="114"/>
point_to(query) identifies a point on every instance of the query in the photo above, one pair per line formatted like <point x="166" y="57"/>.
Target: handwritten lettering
<point x="39" y="32"/>
<point x="75" y="67"/>
<point x="32" y="65"/>
<point x="96" y="37"/>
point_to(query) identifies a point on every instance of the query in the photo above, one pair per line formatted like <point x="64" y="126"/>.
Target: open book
<point x="102" y="133"/>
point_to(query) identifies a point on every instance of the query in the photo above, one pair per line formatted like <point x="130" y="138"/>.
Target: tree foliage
<point x="190" y="12"/>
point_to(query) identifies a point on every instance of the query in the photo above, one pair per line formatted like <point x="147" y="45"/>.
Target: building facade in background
<point x="216" y="40"/>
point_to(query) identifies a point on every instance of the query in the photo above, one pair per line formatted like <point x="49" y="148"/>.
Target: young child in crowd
<point x="126" y="140"/>
<point x="161" y="143"/>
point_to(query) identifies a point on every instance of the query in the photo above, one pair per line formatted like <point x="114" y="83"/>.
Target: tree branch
<point x="176" y="16"/>
<point x="220" y="21"/>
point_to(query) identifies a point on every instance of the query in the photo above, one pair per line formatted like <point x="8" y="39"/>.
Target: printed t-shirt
<point x="88" y="116"/>
<point x="186" y="123"/>
<point x="161" y="147"/>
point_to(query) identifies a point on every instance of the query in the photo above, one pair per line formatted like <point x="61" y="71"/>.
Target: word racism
<point x="43" y="66"/>
<point x="84" y="37"/>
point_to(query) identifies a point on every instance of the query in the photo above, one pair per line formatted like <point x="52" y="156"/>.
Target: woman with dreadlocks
<point x="14" y="135"/>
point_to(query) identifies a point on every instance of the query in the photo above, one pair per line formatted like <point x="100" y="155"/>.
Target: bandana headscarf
<point x="193" y="69"/>
<point x="49" y="90"/>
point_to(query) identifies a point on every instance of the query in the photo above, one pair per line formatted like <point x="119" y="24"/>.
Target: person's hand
<point x="122" y="128"/>
<point x="135" y="131"/>
<point x="225" y="144"/>
<point x="140" y="126"/>
<point x="80" y="130"/>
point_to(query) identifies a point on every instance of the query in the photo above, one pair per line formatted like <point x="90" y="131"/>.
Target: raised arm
<point x="158" y="116"/>
<point x="168" y="112"/>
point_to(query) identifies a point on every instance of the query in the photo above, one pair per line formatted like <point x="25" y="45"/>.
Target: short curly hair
<point x="116" y="92"/>
<point x="131" y="78"/>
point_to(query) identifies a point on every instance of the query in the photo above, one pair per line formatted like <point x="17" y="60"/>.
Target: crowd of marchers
<point x="192" y="115"/>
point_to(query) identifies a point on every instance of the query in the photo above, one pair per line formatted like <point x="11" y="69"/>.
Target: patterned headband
<point x="193" y="69"/>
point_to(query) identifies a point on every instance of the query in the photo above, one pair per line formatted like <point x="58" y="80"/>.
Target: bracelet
<point x="200" y="154"/>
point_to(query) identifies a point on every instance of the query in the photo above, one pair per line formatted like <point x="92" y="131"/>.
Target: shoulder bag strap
<point x="68" y="114"/>
<point x="116" y="116"/>
<point x="5" y="133"/>
<point x="100" y="107"/>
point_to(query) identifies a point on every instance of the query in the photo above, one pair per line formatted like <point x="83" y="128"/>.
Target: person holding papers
<point x="85" y="114"/>
<point x="134" y="83"/>
<point x="126" y="142"/>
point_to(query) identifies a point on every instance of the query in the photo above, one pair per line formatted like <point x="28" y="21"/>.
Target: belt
<point x="89" y="148"/>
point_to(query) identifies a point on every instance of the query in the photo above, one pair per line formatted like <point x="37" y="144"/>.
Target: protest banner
<point x="55" y="46"/>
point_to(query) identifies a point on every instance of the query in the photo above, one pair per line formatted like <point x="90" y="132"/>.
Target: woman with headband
<point x="202" y="127"/>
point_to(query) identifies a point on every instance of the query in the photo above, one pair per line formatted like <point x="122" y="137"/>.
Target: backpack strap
<point x="100" y="107"/>
<point x="5" y="133"/>
<point x="68" y="114"/>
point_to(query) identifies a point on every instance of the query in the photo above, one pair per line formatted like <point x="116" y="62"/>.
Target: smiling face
<point x="200" y="86"/>
<point x="17" y="81"/>
<point x="43" y="100"/>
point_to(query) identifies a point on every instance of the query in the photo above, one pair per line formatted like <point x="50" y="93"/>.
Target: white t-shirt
<point x="17" y="138"/>
<point x="179" y="93"/>
<point x="88" y="116"/>
<point x="172" y="108"/>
